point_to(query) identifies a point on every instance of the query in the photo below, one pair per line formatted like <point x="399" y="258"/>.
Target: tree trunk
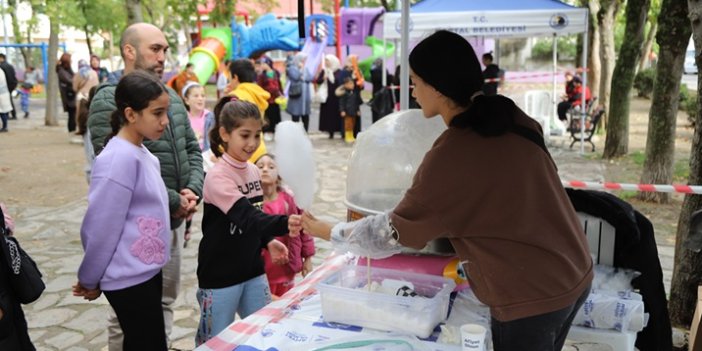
<point x="50" y="118"/>
<point x="687" y="271"/>
<point x="672" y="39"/>
<point x="134" y="14"/>
<point x="617" y="140"/>
<point x="606" y="20"/>
<point x="87" y="40"/>
<point x="594" y="64"/>
<point x="648" y="46"/>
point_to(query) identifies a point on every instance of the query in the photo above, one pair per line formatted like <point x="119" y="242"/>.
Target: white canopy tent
<point x="480" y="18"/>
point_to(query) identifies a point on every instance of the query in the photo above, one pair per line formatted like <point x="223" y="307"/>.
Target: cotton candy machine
<point x="383" y="162"/>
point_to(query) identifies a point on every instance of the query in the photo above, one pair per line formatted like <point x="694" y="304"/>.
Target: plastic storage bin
<point x="346" y="300"/>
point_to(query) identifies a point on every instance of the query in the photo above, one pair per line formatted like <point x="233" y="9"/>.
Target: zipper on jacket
<point x="175" y="151"/>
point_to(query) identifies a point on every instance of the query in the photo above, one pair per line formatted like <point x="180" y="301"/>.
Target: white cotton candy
<point x="295" y="159"/>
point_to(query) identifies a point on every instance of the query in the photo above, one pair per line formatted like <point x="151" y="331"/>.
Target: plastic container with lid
<point x="345" y="299"/>
<point x="383" y="163"/>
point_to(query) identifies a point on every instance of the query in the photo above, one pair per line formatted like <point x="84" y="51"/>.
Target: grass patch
<point x="627" y="194"/>
<point x="638" y="157"/>
<point x="681" y="170"/>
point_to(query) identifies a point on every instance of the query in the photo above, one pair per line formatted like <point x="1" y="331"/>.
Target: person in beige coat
<point x="83" y="82"/>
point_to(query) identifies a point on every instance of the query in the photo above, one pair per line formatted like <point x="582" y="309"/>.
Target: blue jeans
<point x="24" y="100"/>
<point x="218" y="307"/>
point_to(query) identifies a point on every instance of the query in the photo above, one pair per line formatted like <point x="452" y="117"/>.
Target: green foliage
<point x="643" y="82"/>
<point x="690" y="106"/>
<point x="566" y="45"/>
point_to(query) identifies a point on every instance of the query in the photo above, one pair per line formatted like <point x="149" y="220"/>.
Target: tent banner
<point x="493" y="24"/>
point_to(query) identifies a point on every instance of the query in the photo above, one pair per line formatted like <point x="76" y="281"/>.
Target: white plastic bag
<point x="321" y="93"/>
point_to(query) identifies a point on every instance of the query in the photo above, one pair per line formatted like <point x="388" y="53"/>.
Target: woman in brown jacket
<point x="489" y="185"/>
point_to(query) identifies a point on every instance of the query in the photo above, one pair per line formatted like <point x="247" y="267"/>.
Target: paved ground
<point x="59" y="321"/>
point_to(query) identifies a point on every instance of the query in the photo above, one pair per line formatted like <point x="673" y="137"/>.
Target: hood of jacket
<point x="253" y="93"/>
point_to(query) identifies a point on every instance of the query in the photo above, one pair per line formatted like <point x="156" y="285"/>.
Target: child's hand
<point x="343" y="114"/>
<point x="88" y="294"/>
<point x="278" y="251"/>
<point x="294" y="225"/>
<point x="307" y="266"/>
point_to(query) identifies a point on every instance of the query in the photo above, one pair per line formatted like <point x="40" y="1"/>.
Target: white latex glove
<point x="371" y="236"/>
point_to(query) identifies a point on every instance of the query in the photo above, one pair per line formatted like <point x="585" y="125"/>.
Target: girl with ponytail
<point x="230" y="271"/>
<point x="126" y="232"/>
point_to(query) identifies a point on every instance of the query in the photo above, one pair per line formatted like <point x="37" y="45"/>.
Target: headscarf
<point x="83" y="68"/>
<point x="431" y="58"/>
<point x="334" y="65"/>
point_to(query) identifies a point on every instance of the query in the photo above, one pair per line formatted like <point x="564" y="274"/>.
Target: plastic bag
<point x="370" y="236"/>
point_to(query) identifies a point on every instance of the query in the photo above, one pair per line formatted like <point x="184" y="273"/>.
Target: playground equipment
<point x="44" y="53"/>
<point x="271" y="33"/>
<point x="216" y="45"/>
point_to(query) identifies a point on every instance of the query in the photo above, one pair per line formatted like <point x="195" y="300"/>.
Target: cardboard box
<point x="695" y="330"/>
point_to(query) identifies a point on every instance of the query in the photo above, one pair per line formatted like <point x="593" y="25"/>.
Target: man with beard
<point x="143" y="47"/>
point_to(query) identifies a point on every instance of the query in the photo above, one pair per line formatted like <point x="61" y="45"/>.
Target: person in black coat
<point x="376" y="73"/>
<point x="349" y="107"/>
<point x="68" y="95"/>
<point x="331" y="75"/>
<point x="14" y="335"/>
<point x="11" y="78"/>
<point x="491" y="74"/>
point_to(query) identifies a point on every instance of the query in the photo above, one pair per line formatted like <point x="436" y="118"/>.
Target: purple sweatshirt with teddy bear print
<point x="126" y="230"/>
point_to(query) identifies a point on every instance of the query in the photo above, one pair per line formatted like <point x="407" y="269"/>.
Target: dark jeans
<point x="138" y="309"/>
<point x="305" y="120"/>
<point x="4" y="117"/>
<point x="71" y="119"/>
<point x="12" y="102"/>
<point x="563" y="108"/>
<point x="272" y="117"/>
<point x="545" y="332"/>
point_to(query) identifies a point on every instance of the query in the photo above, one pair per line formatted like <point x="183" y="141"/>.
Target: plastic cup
<point x="473" y="337"/>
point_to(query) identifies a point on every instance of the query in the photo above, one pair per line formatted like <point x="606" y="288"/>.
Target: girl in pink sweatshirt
<point x="277" y="201"/>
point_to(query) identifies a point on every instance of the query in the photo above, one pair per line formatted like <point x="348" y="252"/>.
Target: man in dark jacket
<point x="11" y="81"/>
<point x="143" y="46"/>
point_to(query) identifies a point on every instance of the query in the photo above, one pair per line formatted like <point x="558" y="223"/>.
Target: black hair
<point x="229" y="113"/>
<point x="488" y="56"/>
<point x="243" y="69"/>
<point x="135" y="90"/>
<point x="2" y="56"/>
<point x="348" y="79"/>
<point x="188" y="65"/>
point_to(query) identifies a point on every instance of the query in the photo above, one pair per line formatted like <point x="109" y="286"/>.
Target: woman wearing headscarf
<point x="68" y="95"/>
<point x="101" y="72"/>
<point x="83" y="82"/>
<point x="329" y="118"/>
<point x="299" y="95"/>
<point x="477" y="186"/>
<point x="268" y="78"/>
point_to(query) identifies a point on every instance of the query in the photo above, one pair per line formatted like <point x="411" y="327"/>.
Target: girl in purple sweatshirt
<point x="126" y="229"/>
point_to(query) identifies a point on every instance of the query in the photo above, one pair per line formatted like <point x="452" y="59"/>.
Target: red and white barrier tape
<point x="660" y="188"/>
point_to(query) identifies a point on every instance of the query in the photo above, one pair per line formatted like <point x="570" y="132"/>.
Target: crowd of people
<point x="149" y="146"/>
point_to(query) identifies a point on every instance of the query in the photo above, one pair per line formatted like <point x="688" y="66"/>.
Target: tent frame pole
<point x="404" y="57"/>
